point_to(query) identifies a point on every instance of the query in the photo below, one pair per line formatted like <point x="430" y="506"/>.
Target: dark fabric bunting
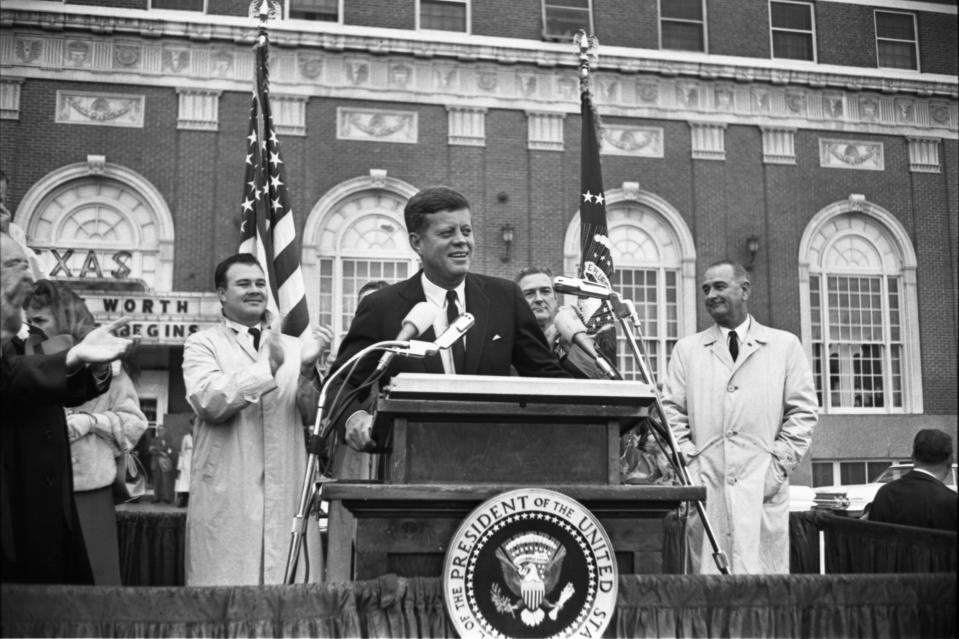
<point x="907" y="605"/>
<point x="151" y="547"/>
<point x="860" y="546"/>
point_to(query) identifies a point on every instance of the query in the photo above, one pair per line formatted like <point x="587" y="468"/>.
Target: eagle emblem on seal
<point x="531" y="563"/>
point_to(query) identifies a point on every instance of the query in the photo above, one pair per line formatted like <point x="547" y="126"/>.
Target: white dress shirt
<point x="436" y="295"/>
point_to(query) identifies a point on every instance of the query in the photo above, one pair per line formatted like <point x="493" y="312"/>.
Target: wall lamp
<point x="752" y="245"/>
<point x="506" y="232"/>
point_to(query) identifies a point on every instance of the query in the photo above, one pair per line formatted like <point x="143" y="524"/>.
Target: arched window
<point x="355" y="234"/>
<point x="654" y="260"/>
<point x="860" y="318"/>
<point x="99" y="220"/>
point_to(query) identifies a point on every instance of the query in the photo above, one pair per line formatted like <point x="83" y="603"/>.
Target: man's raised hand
<point x="100" y="345"/>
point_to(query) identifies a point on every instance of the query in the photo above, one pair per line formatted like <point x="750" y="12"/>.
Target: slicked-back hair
<point x="739" y="271"/>
<point x="431" y="200"/>
<point x="219" y="275"/>
<point x="533" y="270"/>
<point x="371" y="287"/>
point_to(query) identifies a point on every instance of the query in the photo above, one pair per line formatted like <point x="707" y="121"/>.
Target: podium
<point x="452" y="442"/>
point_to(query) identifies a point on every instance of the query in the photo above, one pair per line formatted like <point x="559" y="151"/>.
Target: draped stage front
<point x="884" y="580"/>
<point x="882" y="605"/>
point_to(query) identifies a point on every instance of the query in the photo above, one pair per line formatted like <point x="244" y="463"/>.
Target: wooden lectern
<point x="453" y="442"/>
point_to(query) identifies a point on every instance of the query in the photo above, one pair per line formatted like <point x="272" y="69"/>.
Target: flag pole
<point x="263" y="15"/>
<point x="588" y="59"/>
<point x="588" y="56"/>
<point x="268" y="229"/>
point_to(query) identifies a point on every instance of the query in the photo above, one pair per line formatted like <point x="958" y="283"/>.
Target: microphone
<point x="456" y="330"/>
<point x="582" y="288"/>
<point x="572" y="329"/>
<point x="416" y="321"/>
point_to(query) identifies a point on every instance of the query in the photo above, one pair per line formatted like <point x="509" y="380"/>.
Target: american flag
<point x="267" y="230"/>
<point x="597" y="260"/>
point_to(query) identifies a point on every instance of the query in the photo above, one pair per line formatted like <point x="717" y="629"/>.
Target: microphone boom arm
<point x="309" y="494"/>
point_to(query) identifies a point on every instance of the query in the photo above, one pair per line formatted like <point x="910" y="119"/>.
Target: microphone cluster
<point x="582" y="288"/>
<point x="416" y="322"/>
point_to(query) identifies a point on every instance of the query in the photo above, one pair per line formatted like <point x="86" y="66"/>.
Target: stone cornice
<point x="464" y="48"/>
<point x="214" y="66"/>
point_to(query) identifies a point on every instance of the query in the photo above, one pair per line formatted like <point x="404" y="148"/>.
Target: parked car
<point x="801" y="498"/>
<point x="854" y="500"/>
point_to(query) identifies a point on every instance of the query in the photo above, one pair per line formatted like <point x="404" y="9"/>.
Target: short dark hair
<point x="371" y="287"/>
<point x="739" y="271"/>
<point x="431" y="200"/>
<point x="533" y="270"/>
<point x="931" y="446"/>
<point x="219" y="275"/>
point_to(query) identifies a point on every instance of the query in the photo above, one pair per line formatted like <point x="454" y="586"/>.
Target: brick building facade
<point x="826" y="130"/>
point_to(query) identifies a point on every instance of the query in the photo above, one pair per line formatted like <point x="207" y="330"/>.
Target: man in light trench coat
<point x="252" y="393"/>
<point x="743" y="414"/>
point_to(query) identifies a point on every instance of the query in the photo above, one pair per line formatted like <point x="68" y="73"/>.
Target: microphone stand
<point x="622" y="311"/>
<point x="310" y="493"/>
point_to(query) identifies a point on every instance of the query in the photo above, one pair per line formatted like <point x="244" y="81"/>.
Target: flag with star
<point x="597" y="260"/>
<point x="266" y="229"/>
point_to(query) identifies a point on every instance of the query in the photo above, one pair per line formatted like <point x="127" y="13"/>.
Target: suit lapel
<point x="720" y="350"/>
<point x="412" y="294"/>
<point x="756" y="338"/>
<point x="243" y="344"/>
<point x="478" y="304"/>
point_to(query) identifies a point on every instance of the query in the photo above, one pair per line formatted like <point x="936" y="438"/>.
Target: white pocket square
<point x="496" y="337"/>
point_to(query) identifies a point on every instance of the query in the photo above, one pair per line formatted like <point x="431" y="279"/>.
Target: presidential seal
<point x="530" y="563"/>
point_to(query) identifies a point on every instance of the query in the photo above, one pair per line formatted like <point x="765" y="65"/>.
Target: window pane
<point x="643" y="286"/>
<point x="683" y="36"/>
<point x="791" y="16"/>
<point x="815" y="310"/>
<point x="817" y="371"/>
<point x="444" y="16"/>
<point x="315" y="10"/>
<point x="561" y="21"/>
<point x="898" y="26"/>
<point x="822" y="474"/>
<point x="682" y="9"/>
<point x="897" y="55"/>
<point x="178" y="5"/>
<point x="575" y="4"/>
<point x="874" y="469"/>
<point x="326" y="292"/>
<point x="794" y="46"/>
<point x="852" y="473"/>
<point x="356" y="273"/>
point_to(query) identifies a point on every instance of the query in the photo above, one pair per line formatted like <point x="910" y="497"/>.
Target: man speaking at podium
<point x="438" y="221"/>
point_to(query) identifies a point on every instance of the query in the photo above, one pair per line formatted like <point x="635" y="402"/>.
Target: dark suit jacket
<point x="505" y="333"/>
<point x="42" y="541"/>
<point x="916" y="499"/>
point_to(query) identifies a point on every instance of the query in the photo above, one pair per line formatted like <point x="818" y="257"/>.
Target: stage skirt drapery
<point x="152" y="546"/>
<point x="877" y="605"/>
